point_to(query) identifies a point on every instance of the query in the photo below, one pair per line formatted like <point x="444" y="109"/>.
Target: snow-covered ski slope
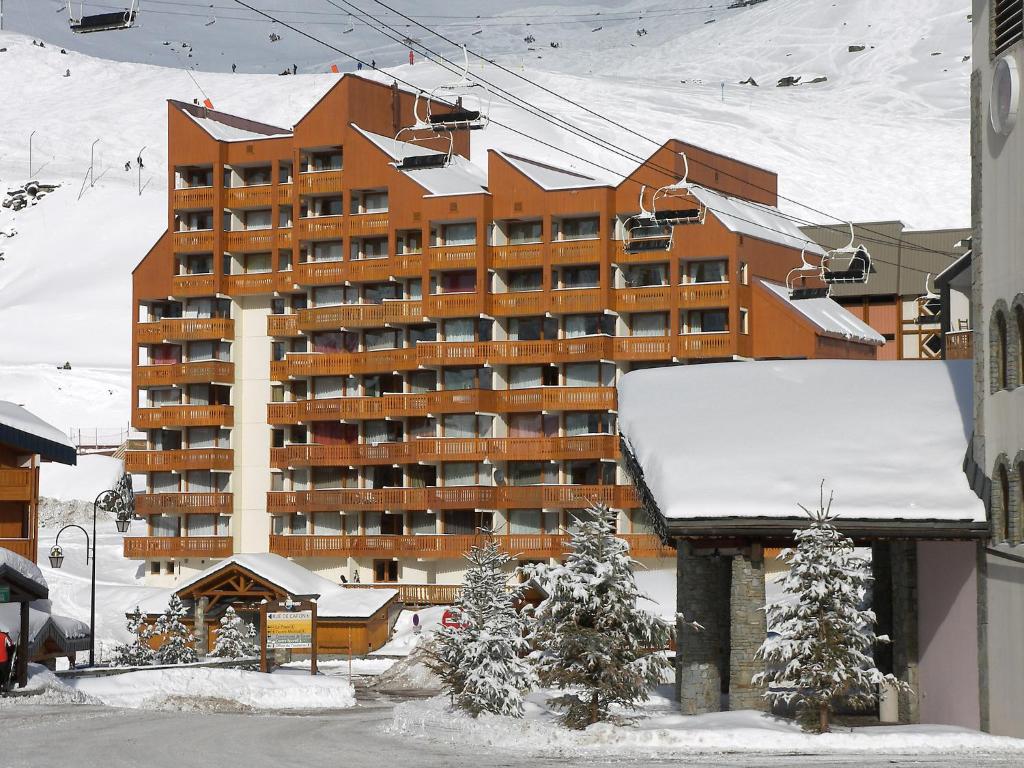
<point x="885" y="136"/>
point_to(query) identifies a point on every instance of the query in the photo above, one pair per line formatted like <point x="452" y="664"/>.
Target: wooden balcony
<point x="284" y="194"/>
<point x="193" y="198"/>
<point x="555" y="399"/>
<point x="24" y="547"/>
<point x="283" y="236"/>
<point x="435" y="449"/>
<point x="256" y="283"/>
<point x="321" y="228"/>
<point x="517" y="256"/>
<point x="513" y="352"/>
<point x="421" y="404"/>
<point x="196" y="241"/>
<point x="283" y="325"/>
<point x="179" y="461"/>
<point x="186" y="329"/>
<point x="360" y="315"/>
<point x="321" y="272"/>
<point x="705" y="295"/>
<point x="577" y="251"/>
<point x="454" y="304"/>
<point x="519" y="304"/>
<point x="378" y="270"/>
<point x="453" y="257"/>
<point x="249" y="240"/>
<point x="644" y="348"/>
<point x="527" y="546"/>
<point x="258" y="196"/>
<point x="704" y="345"/>
<point x="354" y="455"/>
<point x="301" y="365"/>
<point x="452" y="497"/>
<point x="368" y="225"/>
<point x="320" y="182"/>
<point x="159" y="547"/>
<point x="212" y="371"/>
<point x="186" y="286"/>
<point x="643" y="299"/>
<point x="17" y="484"/>
<point x="960" y="345"/>
<point x="184" y="416"/>
<point x="183" y="503"/>
<point x="569" y="301"/>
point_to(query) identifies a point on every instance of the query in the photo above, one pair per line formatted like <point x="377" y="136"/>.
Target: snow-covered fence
<point x="252" y="662"/>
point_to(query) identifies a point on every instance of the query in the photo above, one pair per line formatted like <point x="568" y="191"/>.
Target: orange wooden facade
<point x="19" y="502"/>
<point x="301" y="210"/>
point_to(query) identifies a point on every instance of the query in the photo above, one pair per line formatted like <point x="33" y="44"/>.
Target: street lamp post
<point x="121" y="501"/>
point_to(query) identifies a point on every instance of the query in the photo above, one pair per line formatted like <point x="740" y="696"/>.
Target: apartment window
<point x="385" y="571"/>
<point x="581" y="277"/>
<point x="520" y="232"/>
<point x="154" y="568"/>
<point x="256" y="176"/>
<point x="164" y="525"/>
<point x="461" y="329"/>
<point x="202" y="525"/>
<point x="458" y="234"/>
<point x="164" y="482"/>
<point x="532" y="472"/>
<point x="381" y="338"/>
<point x="744" y="273"/>
<point x="998" y="351"/>
<point x="330" y="250"/>
<point x="192" y="176"/>
<point x="525" y="280"/>
<point x="459" y="425"/>
<point x="422" y="426"/>
<point x="327" y="296"/>
<point x="369" y="201"/>
<point x="524" y="521"/>
<point x="712" y="271"/>
<point x="284" y="172"/>
<point x="589" y="374"/>
<point x="588" y="325"/>
<point x="199" y="264"/>
<point x="422" y="524"/>
<point x="524" y="376"/>
<point x="532" y="328"/>
<point x="162" y="397"/>
<point x="463" y="281"/>
<point x="460" y="378"/>
<point x="376" y="293"/>
<point x="369" y="248"/>
<point x="324" y="160"/>
<point x="327" y="523"/>
<point x="425" y="333"/>
<point x="706" y="321"/>
<point x="422" y="381"/>
<point x="284" y="216"/>
<point x="642" y="275"/>
<point x="323" y="206"/>
<point x="284" y="260"/>
<point x="582" y="228"/>
<point x="195" y="220"/>
<point x="589" y="423"/>
<point x="409" y="241"/>
<point x="649" y="324"/>
<point x="532" y="425"/>
<point x="1007" y="24"/>
<point x="744" y="321"/>
<point x="459" y="473"/>
<point x="257" y="262"/>
<point x="590" y="472"/>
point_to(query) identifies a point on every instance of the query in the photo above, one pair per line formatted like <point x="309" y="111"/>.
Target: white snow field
<point x="656" y="732"/>
<point x="199" y="688"/>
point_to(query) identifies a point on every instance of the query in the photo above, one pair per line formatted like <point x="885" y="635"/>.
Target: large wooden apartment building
<point x="355" y="353"/>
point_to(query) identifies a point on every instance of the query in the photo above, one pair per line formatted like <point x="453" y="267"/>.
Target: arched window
<point x="1002" y="512"/>
<point x="1000" y="366"/>
<point x="1018" y="323"/>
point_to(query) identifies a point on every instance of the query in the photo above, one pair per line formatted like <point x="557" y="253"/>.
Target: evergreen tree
<point x="138" y="652"/>
<point x="822" y="655"/>
<point x="592" y="640"/>
<point x="234" y="637"/>
<point x="175" y="645"/>
<point x="481" y="663"/>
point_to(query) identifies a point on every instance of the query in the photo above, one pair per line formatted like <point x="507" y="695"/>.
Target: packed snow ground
<point x="656" y="731"/>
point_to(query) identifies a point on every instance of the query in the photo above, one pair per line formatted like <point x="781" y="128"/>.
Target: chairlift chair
<point x="461" y="117"/>
<point x="102" y="22"/>
<point x="652" y="229"/>
<point x="415" y="136"/>
<point x="796" y="276"/>
<point x="849" y="264"/>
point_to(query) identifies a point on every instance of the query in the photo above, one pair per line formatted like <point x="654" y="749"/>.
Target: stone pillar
<point x="702" y="595"/>
<point x="904" y="625"/>
<point x="199" y="627"/>
<point x="748" y="627"/>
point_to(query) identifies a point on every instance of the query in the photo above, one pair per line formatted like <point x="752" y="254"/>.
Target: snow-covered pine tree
<point x="175" y="637"/>
<point x="481" y="663"/>
<point x="138" y="652"/>
<point x="592" y="640"/>
<point x="234" y="637"/>
<point x="823" y="652"/>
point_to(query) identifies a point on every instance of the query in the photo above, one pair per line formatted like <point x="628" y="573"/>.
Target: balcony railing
<point x="298" y="365"/>
<point x="321" y="228"/>
<point x="258" y="283"/>
<point x="960" y="345"/>
<point x="184" y="416"/>
<point x="196" y="241"/>
<point x="452" y="497"/>
<point x="367" y="224"/>
<point x="361" y="270"/>
<point x="186" y="329"/>
<point x="259" y="196"/>
<point x="284" y="194"/>
<point x="185" y="286"/>
<point x="146" y="547"/>
<point x="644" y="348"/>
<point x="24" y="547"/>
<point x="282" y="325"/>
<point x="643" y="299"/>
<point x="454" y="304"/>
<point x="417" y="404"/>
<point x="555" y="399"/>
<point x="17" y="484"/>
<point x="318" y="182"/>
<point x="180" y="460"/>
<point x="193" y="197"/>
<point x="577" y="251"/>
<point x="453" y="257"/>
<point x="573" y="300"/>
<point x="529" y="546"/>
<point x="183" y="503"/>
<point x="705" y="345"/>
<point x="519" y="303"/>
<point x="207" y="371"/>
<point x="517" y="256"/>
<point x="249" y="240"/>
<point x="705" y="295"/>
<point x="360" y="315"/>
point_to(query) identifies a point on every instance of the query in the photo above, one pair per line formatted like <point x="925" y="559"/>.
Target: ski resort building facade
<point x="358" y="352"/>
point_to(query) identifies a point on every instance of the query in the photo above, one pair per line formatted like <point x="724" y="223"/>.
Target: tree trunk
<point x="823" y="718"/>
<point x="593" y="708"/>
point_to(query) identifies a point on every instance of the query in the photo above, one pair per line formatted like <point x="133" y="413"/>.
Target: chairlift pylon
<point x="652" y="229"/>
<point x="102" y="22"/>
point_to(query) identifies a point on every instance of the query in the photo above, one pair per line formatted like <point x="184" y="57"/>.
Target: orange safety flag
<point x="207" y="103"/>
<point x="334" y="68"/>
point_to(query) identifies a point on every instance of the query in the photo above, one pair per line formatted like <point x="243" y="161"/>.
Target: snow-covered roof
<point x="26" y="431"/>
<point x="333" y="600"/>
<point x="830" y="317"/>
<point x="745" y="441"/>
<point x="69" y="634"/>
<point x="17" y="569"/>
<point x="223" y="131"/>
<point x="548" y="176"/>
<point x="458" y="177"/>
<point x="744" y="217"/>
